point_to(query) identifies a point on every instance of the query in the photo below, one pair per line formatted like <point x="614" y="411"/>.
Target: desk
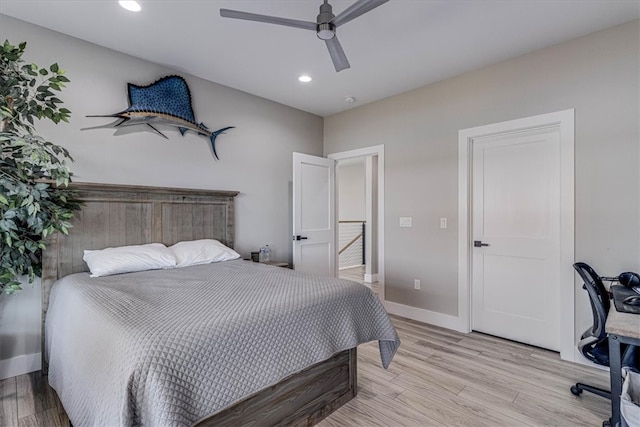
<point x="622" y="328"/>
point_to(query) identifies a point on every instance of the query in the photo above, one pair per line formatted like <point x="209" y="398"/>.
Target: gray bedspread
<point x="167" y="348"/>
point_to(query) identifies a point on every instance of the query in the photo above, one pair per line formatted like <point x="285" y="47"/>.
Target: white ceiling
<point x="399" y="46"/>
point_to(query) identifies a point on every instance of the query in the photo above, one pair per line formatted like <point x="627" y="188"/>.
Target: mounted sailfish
<point x="166" y="102"/>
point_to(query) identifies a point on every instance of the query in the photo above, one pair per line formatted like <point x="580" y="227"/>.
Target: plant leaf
<point x="31" y="209"/>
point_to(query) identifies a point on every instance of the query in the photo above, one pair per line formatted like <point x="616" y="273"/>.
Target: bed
<point x="171" y="363"/>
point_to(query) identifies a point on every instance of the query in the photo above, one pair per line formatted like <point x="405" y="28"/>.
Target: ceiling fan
<point x="325" y="25"/>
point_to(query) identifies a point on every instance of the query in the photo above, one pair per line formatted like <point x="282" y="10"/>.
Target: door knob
<point x="299" y="237"/>
<point x="478" y="243"/>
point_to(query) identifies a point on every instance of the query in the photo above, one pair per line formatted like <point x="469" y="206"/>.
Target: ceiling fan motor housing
<point x="326" y="30"/>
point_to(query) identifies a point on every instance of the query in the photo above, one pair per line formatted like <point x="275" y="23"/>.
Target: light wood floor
<point x="444" y="378"/>
<point x="356" y="274"/>
<point x="27" y="400"/>
<point x="438" y="378"/>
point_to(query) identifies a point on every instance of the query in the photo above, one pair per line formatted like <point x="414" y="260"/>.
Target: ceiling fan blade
<point x="236" y="14"/>
<point x="356" y="9"/>
<point x="338" y="57"/>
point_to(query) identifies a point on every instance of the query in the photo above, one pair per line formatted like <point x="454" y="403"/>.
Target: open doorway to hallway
<point x="374" y="205"/>
<point x="357" y="219"/>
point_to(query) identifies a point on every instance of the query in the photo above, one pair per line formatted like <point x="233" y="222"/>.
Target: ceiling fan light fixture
<point x="326" y="31"/>
<point x="130" y="5"/>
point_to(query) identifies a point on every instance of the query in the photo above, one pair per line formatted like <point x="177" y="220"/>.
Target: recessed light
<point x="130" y="5"/>
<point x="350" y="99"/>
<point x="305" y="78"/>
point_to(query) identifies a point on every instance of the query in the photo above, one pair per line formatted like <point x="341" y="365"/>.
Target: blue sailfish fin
<point x="169" y="95"/>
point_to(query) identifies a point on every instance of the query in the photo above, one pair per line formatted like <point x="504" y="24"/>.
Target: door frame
<point x="377" y="150"/>
<point x="564" y="121"/>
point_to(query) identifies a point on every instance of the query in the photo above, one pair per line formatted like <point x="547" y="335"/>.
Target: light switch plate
<point x="443" y="222"/>
<point x="406" y="221"/>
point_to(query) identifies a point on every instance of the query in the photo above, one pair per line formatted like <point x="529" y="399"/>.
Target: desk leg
<point x="616" y="378"/>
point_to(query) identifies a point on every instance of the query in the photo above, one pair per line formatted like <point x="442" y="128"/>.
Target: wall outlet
<point x="416" y="284"/>
<point x="443" y="222"/>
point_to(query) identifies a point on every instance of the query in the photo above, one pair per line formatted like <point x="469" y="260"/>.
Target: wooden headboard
<point x="118" y="215"/>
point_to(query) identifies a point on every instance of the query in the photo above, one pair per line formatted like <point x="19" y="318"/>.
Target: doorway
<point x="516" y="230"/>
<point x="360" y="173"/>
<point x="356" y="219"/>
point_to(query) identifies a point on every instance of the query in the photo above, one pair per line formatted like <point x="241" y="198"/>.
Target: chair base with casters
<point x="580" y="387"/>
<point x="577" y="390"/>
<point x="598" y="353"/>
<point x="630" y="359"/>
<point x="594" y="343"/>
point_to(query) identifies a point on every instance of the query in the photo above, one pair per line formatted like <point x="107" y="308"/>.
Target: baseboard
<point x="20" y="365"/>
<point x="371" y="278"/>
<point x="425" y="316"/>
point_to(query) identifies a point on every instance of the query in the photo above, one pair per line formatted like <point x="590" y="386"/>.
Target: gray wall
<point x="255" y="158"/>
<point x="597" y="74"/>
<point x="20" y="322"/>
<point x="351" y="186"/>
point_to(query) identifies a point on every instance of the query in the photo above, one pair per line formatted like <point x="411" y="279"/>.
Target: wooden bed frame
<point x="116" y="215"/>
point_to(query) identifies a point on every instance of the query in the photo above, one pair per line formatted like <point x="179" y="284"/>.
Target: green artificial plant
<point x="34" y="199"/>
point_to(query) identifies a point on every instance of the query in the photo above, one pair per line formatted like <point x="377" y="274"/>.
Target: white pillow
<point x="205" y="251"/>
<point x="126" y="259"/>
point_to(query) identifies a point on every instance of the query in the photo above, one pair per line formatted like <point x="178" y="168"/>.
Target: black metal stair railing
<point x="351" y="242"/>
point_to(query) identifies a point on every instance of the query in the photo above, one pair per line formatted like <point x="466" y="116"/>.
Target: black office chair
<point x="594" y="344"/>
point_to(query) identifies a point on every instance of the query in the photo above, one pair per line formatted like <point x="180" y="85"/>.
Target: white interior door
<point x="314" y="233"/>
<point x="516" y="214"/>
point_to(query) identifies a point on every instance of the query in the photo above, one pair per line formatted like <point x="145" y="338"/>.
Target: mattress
<point x="170" y="347"/>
